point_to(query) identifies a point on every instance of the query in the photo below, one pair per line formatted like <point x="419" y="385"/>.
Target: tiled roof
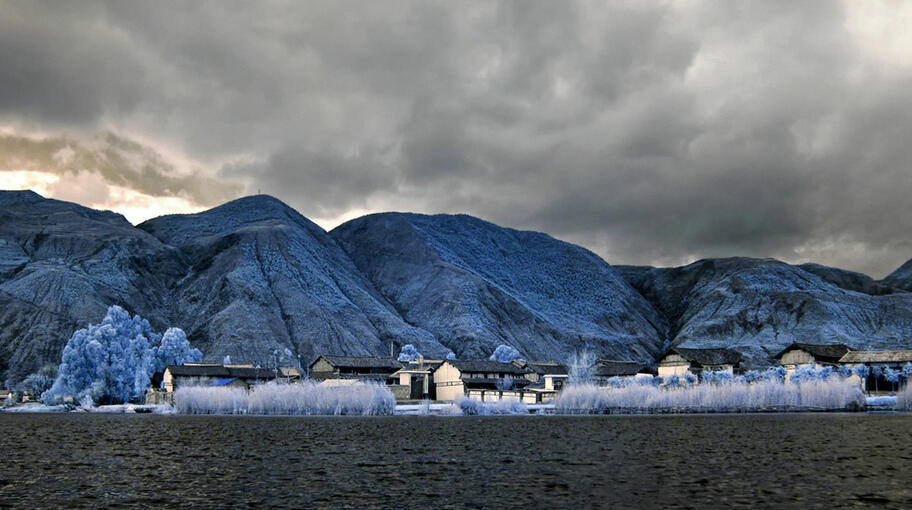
<point x="822" y="352"/>
<point x="488" y="366"/>
<point x="611" y="368"/>
<point x="546" y="367"/>
<point x="709" y="356"/>
<point x="903" y="356"/>
<point x="361" y="362"/>
<point x="221" y="371"/>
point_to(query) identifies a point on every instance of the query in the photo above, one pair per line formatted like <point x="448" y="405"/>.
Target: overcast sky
<point x="650" y="132"/>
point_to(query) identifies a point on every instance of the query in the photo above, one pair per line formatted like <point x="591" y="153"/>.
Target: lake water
<point x="710" y="461"/>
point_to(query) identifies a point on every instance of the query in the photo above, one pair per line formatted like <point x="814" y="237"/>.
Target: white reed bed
<point x="904" y="398"/>
<point x="470" y="407"/>
<point x="306" y="398"/>
<point x="830" y="394"/>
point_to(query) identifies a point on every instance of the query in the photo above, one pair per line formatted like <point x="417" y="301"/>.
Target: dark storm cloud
<point x="650" y="132"/>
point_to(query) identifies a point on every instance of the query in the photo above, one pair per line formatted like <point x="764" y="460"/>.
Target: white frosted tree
<point x="408" y="353"/>
<point x="114" y="361"/>
<point x="175" y="350"/>
<point x="582" y="367"/>
<point x="504" y="354"/>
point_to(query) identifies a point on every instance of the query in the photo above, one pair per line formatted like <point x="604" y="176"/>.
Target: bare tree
<point x="582" y="367"/>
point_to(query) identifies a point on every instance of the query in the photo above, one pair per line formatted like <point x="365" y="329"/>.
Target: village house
<point x="233" y="375"/>
<point x="547" y="377"/>
<point x="798" y="354"/>
<point x="211" y="374"/>
<point x="364" y="368"/>
<point x="878" y="380"/>
<point x="418" y="376"/>
<point x="681" y="361"/>
<point x="606" y="369"/>
<point x="539" y="370"/>
<point x="483" y="380"/>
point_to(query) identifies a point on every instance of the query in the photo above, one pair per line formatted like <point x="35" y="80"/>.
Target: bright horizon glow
<point x="89" y="190"/>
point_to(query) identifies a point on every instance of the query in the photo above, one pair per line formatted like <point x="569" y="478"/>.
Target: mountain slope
<point x="61" y="266"/>
<point x="263" y="278"/>
<point x="901" y="278"/>
<point x="849" y="280"/>
<point x="476" y="285"/>
<point x="759" y="306"/>
<point x="253" y="277"/>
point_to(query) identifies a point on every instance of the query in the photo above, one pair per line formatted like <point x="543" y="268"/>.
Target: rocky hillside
<point x="759" y="306"/>
<point x="850" y="280"/>
<point x="262" y="278"/>
<point x="61" y="266"/>
<point x="256" y="280"/>
<point x="901" y="278"/>
<point x="476" y="285"/>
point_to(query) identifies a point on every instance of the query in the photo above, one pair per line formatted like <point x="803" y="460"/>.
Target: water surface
<point x="710" y="461"/>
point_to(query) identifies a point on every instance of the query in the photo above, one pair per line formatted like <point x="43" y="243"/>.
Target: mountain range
<point x="256" y="280"/>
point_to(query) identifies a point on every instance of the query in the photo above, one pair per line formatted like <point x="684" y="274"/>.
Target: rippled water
<point x="807" y="461"/>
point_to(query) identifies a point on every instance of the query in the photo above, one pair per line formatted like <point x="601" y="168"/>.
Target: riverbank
<point x="879" y="403"/>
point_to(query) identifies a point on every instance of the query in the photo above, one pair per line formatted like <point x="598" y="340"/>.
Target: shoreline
<point x="447" y="409"/>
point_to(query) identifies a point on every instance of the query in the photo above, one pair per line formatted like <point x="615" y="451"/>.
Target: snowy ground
<point x="34" y="407"/>
<point x="452" y="409"/>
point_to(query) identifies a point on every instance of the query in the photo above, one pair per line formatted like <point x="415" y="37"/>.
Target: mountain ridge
<point x="256" y="280"/>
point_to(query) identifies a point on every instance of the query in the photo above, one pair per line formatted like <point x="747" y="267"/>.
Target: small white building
<point x="418" y="377"/>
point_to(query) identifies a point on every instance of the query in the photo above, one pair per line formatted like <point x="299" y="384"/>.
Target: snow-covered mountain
<point x="476" y="285"/>
<point x="759" y="306"/>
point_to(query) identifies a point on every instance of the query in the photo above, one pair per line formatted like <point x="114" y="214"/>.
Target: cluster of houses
<point x="681" y="361"/>
<point x="520" y="380"/>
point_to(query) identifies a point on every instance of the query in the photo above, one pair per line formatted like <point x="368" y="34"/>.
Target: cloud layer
<point x="650" y="132"/>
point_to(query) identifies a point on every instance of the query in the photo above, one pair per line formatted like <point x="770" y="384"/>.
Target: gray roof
<point x="903" y="356"/>
<point x="488" y="366"/>
<point x="431" y="365"/>
<point x="361" y="362"/>
<point x="545" y="367"/>
<point x="221" y="371"/>
<point x="709" y="356"/>
<point x="822" y="352"/>
<point x="612" y="368"/>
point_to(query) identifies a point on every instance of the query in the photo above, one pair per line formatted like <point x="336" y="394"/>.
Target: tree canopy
<point x="113" y="361"/>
